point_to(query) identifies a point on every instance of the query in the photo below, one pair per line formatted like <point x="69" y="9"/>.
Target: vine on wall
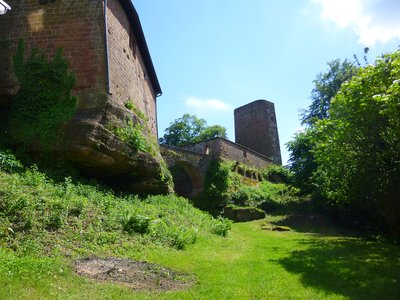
<point x="43" y="104"/>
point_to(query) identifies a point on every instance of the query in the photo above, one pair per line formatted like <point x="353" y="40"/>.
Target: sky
<point x="212" y="56"/>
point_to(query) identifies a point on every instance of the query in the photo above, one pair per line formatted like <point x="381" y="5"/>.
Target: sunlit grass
<point x="249" y="264"/>
<point x="45" y="225"/>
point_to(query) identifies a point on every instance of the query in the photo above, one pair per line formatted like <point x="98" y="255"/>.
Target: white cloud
<point x="372" y="20"/>
<point x="207" y="105"/>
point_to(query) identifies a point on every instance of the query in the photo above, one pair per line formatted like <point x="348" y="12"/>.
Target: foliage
<point x="357" y="149"/>
<point x="136" y="223"/>
<point x="132" y="134"/>
<point x="302" y="161"/>
<point x="190" y="129"/>
<point x="326" y="85"/>
<point x="44" y="98"/>
<point x="8" y="162"/>
<point x="131" y="106"/>
<point x="137" y="135"/>
<point x="267" y="195"/>
<point x="223" y="186"/>
<point x="212" y="132"/>
<point x="223" y="227"/>
<point x="277" y="174"/>
<point x="220" y="181"/>
<point x="37" y="214"/>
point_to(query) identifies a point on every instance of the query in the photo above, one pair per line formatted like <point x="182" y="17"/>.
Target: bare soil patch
<point x="138" y="275"/>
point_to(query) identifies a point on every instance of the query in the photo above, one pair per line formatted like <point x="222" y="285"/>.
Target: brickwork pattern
<point x="256" y="128"/>
<point x="219" y="148"/>
<point x="75" y="26"/>
<point x="128" y="74"/>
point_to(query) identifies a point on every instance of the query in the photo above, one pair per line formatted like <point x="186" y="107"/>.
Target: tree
<point x="302" y="161"/>
<point x="212" y="132"/>
<point x="190" y="129"/>
<point x="357" y="149"/>
<point x="326" y="85"/>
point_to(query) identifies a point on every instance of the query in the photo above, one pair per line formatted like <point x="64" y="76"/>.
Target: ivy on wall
<point x="43" y="104"/>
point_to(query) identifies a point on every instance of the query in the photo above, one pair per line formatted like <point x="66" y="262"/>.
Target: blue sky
<point x="212" y="56"/>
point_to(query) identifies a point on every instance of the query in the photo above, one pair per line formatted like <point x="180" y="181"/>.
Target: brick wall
<point x="128" y="75"/>
<point x="78" y="27"/>
<point x="256" y="128"/>
<point x="218" y="148"/>
<point x="75" y="26"/>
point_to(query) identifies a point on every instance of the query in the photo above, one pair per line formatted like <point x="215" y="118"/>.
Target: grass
<point x="248" y="264"/>
<point x="41" y="216"/>
<point x="46" y="225"/>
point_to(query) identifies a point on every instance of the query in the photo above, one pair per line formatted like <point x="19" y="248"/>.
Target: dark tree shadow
<point x="352" y="267"/>
<point x="304" y="221"/>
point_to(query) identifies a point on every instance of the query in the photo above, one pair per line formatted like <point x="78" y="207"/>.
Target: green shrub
<point x="131" y="106"/>
<point x="277" y="174"/>
<point x="222" y="227"/>
<point x="132" y="134"/>
<point x="135" y="223"/>
<point x="220" y="182"/>
<point x="8" y="162"/>
<point x="224" y="186"/>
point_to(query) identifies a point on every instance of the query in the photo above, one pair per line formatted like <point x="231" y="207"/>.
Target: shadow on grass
<point x="351" y="267"/>
<point x="308" y="223"/>
<point x="305" y="221"/>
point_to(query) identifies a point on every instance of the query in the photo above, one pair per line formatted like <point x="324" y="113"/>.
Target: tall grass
<point x="39" y="215"/>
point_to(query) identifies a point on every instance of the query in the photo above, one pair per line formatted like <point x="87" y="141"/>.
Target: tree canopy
<point x="351" y="155"/>
<point x="190" y="129"/>
<point x="326" y="85"/>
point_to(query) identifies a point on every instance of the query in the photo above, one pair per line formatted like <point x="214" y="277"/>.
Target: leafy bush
<point x="8" y="162"/>
<point x="132" y="134"/>
<point x="222" y="227"/>
<point x="357" y="149"/>
<point x="224" y="186"/>
<point x="135" y="223"/>
<point x="220" y="182"/>
<point x="277" y="174"/>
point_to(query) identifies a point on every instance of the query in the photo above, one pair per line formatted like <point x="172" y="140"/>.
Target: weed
<point x="222" y="227"/>
<point x="136" y="223"/>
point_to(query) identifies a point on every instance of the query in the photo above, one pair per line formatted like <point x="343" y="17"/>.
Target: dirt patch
<point x="138" y="275"/>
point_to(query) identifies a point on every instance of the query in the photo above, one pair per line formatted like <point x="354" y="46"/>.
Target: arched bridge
<point x="189" y="164"/>
<point x="188" y="169"/>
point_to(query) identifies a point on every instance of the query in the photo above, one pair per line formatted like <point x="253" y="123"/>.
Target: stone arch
<point x="187" y="179"/>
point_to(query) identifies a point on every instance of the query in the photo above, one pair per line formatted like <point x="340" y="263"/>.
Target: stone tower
<point x="256" y="129"/>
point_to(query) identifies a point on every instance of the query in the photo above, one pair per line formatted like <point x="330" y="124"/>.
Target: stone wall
<point x="129" y="80"/>
<point x="219" y="148"/>
<point x="80" y="29"/>
<point x="75" y="26"/>
<point x="256" y="128"/>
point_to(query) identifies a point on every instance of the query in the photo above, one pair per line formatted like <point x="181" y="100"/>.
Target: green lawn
<point x="249" y="264"/>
